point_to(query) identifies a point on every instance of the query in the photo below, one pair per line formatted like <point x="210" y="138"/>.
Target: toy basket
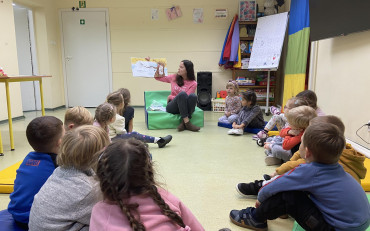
<point x="218" y="105"/>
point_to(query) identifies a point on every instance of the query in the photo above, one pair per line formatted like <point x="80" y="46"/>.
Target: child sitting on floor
<point x="250" y="115"/>
<point x="77" y="116"/>
<point x="319" y="195"/>
<point x="44" y="134"/>
<point x="281" y="148"/>
<point x="66" y="199"/>
<point x="232" y="103"/>
<point x="351" y="160"/>
<point x="311" y="98"/>
<point x="278" y="118"/>
<point x="128" y="112"/>
<point x="117" y="127"/>
<point x="132" y="199"/>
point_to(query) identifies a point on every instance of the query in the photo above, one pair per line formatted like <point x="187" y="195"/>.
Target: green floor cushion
<point x="297" y="227"/>
<point x="164" y="120"/>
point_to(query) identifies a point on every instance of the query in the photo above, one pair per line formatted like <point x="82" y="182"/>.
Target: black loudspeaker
<point x="204" y="90"/>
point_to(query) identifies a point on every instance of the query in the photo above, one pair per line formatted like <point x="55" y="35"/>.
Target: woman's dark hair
<point x="189" y="66"/>
<point x="250" y="96"/>
<point x="125" y="170"/>
<point x="310" y="96"/>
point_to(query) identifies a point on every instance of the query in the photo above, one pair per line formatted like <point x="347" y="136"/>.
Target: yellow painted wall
<point x="9" y="60"/>
<point x="342" y="81"/>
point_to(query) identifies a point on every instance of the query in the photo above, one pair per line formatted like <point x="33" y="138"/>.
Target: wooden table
<point x="11" y="79"/>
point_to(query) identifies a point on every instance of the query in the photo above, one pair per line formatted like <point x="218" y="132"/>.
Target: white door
<point x="86" y="57"/>
<point x="30" y="91"/>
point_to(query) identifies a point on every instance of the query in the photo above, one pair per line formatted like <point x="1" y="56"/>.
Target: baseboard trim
<point x="56" y="108"/>
<point x="14" y="119"/>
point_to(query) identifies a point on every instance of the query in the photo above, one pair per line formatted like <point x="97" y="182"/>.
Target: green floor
<point x="201" y="168"/>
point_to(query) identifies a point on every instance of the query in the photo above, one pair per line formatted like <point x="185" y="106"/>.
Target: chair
<point x="164" y="120"/>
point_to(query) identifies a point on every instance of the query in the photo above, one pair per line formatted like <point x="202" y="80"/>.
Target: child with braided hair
<point x="132" y="199"/>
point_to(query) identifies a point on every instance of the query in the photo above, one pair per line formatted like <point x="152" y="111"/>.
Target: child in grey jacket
<point x="66" y="199"/>
<point x="250" y="115"/>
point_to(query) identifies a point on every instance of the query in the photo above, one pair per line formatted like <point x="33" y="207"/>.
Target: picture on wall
<point x="247" y="10"/>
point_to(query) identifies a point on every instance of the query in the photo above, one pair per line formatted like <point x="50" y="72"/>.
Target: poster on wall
<point x="144" y="68"/>
<point x="247" y="10"/>
<point x="221" y="13"/>
<point x="173" y="13"/>
<point x="198" y="15"/>
<point x="155" y="14"/>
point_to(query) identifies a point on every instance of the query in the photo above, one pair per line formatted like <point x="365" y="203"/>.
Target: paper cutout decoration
<point x="173" y="13"/>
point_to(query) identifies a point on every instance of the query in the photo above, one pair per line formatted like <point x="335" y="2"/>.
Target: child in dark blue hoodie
<point x="44" y="134"/>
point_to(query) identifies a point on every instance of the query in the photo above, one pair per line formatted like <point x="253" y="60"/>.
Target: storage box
<point x="218" y="105"/>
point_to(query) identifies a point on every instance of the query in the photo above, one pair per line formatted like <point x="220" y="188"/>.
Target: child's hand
<point x="147" y="58"/>
<point x="257" y="204"/>
<point x="273" y="174"/>
<point x="267" y="146"/>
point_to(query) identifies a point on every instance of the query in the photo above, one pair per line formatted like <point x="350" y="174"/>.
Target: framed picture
<point x="247" y="10"/>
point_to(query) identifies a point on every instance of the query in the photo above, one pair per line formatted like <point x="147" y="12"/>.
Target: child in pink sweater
<point x="132" y="200"/>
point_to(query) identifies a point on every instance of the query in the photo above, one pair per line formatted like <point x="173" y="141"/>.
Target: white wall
<point x="8" y="60"/>
<point x="342" y="81"/>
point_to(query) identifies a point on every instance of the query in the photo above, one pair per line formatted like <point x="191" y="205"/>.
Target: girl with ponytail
<point x="132" y="199"/>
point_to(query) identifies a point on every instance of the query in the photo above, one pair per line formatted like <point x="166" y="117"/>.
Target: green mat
<point x="297" y="227"/>
<point x="164" y="120"/>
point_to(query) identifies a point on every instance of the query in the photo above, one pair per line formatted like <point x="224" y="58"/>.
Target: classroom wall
<point x="342" y="81"/>
<point x="8" y="60"/>
<point x="134" y="34"/>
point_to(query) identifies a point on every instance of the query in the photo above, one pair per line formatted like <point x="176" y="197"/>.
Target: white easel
<point x="267" y="45"/>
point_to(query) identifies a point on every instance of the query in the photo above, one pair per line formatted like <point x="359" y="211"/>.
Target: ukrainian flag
<point x="296" y="61"/>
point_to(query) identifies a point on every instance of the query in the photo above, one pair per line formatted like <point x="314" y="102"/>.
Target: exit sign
<point x="82" y="4"/>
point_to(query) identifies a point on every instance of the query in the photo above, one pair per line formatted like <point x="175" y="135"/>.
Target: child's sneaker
<point x="163" y="141"/>
<point x="243" y="218"/>
<point x="275" y="110"/>
<point x="235" y="131"/>
<point x="262" y="134"/>
<point x="239" y="131"/>
<point x="251" y="188"/>
<point x="230" y="132"/>
<point x="270" y="160"/>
